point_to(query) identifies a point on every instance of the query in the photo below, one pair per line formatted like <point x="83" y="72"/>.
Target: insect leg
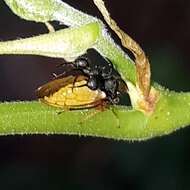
<point x="73" y="86"/>
<point x="99" y="108"/>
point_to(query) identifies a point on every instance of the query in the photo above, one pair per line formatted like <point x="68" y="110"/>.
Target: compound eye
<point x="82" y="62"/>
<point x="92" y="83"/>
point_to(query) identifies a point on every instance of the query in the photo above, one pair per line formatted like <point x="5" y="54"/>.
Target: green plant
<point x="155" y="110"/>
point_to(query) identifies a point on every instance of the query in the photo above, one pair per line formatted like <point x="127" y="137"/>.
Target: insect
<point x="70" y="92"/>
<point x="83" y="85"/>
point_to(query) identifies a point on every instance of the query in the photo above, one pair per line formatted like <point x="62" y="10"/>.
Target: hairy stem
<point x="116" y="122"/>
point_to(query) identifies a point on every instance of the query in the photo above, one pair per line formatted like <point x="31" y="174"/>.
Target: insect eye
<point x="92" y="83"/>
<point x="82" y="62"/>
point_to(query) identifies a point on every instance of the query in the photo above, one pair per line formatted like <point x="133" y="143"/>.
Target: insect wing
<point x="54" y="85"/>
<point x="70" y="93"/>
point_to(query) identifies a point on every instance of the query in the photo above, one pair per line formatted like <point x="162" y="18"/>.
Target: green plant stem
<point x="49" y="10"/>
<point x="116" y="122"/>
<point x="68" y="43"/>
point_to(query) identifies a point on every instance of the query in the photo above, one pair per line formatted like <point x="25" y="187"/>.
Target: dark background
<point x="162" y="27"/>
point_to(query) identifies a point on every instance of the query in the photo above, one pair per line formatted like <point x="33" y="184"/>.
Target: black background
<point x="162" y="27"/>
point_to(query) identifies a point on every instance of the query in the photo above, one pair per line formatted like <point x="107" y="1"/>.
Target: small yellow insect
<point x="71" y="93"/>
